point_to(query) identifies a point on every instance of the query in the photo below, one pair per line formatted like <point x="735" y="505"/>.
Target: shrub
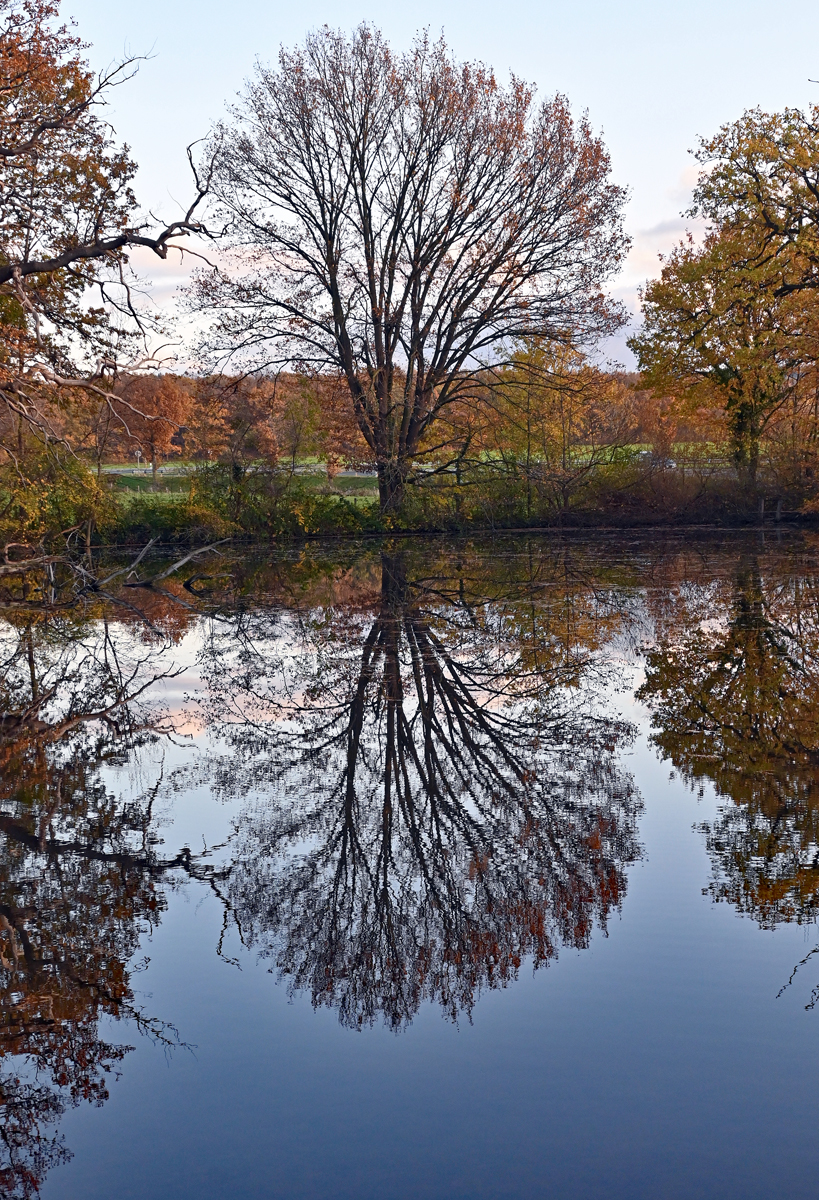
<point x="45" y="495"/>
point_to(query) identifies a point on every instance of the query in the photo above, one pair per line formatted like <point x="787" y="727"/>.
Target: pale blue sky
<point x="652" y="76"/>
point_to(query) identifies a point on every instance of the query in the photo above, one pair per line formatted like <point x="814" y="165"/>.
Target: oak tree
<point x="400" y="220"/>
<point x="761" y="182"/>
<point x="718" y="327"/>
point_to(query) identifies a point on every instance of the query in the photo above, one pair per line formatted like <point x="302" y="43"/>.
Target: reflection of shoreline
<point x="438" y="797"/>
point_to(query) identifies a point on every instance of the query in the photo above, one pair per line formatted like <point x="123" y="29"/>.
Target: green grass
<point x="142" y="484"/>
<point x="352" y="486"/>
<point x="126" y="497"/>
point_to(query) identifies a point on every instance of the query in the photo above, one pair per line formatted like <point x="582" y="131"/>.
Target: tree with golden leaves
<point x="733" y="323"/>
<point x="718" y="329"/>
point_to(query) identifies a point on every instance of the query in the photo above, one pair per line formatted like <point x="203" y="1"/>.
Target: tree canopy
<point x="718" y="326"/>
<point x="68" y="217"/>
<point x="400" y="219"/>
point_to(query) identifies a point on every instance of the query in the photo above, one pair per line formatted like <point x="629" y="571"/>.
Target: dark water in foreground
<point x="418" y="870"/>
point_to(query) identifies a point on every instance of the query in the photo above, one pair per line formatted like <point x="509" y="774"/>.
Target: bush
<point x="46" y="495"/>
<point x="168" y="519"/>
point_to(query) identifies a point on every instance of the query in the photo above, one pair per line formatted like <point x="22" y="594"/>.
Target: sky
<point x="652" y="77"/>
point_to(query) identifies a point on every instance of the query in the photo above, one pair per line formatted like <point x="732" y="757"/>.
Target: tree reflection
<point x="78" y="877"/>
<point x="734" y="693"/>
<point x="441" y="800"/>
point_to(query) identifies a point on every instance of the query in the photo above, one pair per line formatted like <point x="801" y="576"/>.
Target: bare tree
<point x="400" y="220"/>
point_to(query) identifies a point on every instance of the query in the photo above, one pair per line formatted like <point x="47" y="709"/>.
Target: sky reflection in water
<point x="419" y="772"/>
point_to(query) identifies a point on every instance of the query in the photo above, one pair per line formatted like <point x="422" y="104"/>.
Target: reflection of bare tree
<point x="734" y="693"/>
<point x="442" y="808"/>
<point x="78" y="877"/>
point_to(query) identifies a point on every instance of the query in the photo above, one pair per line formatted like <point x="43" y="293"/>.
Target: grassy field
<point x="177" y="480"/>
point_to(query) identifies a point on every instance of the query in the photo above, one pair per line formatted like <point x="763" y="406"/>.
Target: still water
<point x="423" y="869"/>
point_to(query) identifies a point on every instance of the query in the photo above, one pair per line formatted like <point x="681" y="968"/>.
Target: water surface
<point x="415" y="869"/>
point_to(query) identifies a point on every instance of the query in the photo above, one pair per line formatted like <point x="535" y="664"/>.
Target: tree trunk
<point x="153" y="470"/>
<point x="392" y="477"/>
<point x="748" y="465"/>
<point x="746" y="434"/>
<point x="746" y="458"/>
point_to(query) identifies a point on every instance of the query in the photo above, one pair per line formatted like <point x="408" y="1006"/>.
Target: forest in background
<point x="547" y="442"/>
<point x="398" y="295"/>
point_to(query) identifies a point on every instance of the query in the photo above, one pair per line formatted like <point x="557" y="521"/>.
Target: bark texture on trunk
<point x="392" y="479"/>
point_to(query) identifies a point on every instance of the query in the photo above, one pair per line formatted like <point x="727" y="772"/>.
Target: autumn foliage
<point x="410" y="286"/>
<point x="396" y="222"/>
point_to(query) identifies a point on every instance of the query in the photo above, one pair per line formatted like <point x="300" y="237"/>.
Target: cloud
<point x="682" y="191"/>
<point x="644" y="261"/>
<point x="648" y="245"/>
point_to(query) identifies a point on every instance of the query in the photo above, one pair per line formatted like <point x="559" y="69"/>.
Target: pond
<point x="423" y="868"/>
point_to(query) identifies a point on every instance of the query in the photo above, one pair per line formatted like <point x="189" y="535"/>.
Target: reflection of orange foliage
<point x="477" y="866"/>
<point x="79" y="878"/>
<point x="734" y="690"/>
<point x="69" y="922"/>
<point x="166" y="609"/>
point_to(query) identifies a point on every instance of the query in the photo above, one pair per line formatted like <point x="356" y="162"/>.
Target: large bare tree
<point x="402" y="219"/>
